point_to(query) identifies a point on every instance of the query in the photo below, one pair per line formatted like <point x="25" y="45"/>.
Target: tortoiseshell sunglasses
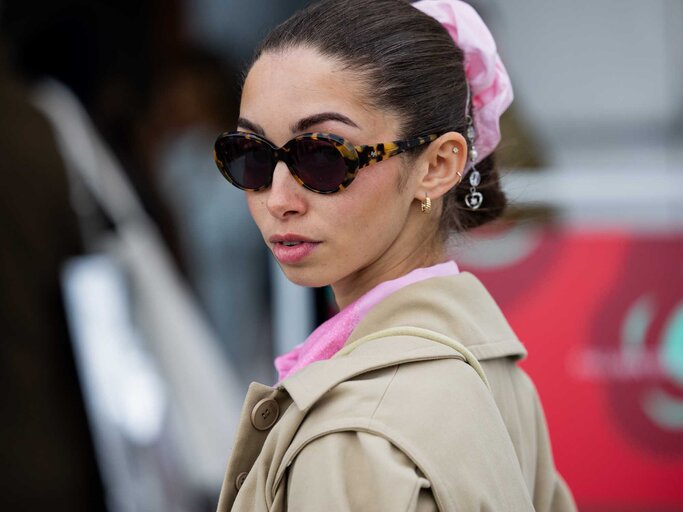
<point x="321" y="162"/>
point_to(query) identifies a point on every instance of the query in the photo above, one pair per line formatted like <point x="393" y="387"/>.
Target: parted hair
<point x="410" y="66"/>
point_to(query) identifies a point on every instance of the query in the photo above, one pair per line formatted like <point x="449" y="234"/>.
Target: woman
<point x="409" y="398"/>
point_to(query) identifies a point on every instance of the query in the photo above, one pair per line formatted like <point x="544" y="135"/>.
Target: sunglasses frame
<point x="355" y="157"/>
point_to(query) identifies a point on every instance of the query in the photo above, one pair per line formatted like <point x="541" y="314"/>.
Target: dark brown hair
<point x="413" y="68"/>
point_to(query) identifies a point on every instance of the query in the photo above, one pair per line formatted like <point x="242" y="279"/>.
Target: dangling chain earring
<point x="474" y="199"/>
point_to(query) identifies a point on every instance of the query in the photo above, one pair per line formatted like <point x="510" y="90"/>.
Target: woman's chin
<point x="309" y="277"/>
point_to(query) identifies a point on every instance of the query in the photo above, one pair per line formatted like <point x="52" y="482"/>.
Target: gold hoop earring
<point x="426" y="205"/>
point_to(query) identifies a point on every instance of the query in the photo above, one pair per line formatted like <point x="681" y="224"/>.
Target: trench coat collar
<point x="458" y="307"/>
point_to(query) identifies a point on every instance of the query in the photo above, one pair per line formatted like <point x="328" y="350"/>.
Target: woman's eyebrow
<point x="303" y="124"/>
<point x="252" y="127"/>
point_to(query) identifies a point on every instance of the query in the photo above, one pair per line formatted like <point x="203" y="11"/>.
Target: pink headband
<point x="489" y="83"/>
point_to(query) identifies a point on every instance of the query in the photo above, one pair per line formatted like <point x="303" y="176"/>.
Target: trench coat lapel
<point x="458" y="307"/>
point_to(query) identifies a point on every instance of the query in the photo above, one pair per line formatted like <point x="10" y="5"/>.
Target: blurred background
<point x="137" y="300"/>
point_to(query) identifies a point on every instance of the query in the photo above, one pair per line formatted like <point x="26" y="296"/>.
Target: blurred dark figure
<point x="106" y="52"/>
<point x="48" y="460"/>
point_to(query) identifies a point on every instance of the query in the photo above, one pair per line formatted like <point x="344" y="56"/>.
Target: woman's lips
<point x="287" y="253"/>
<point x="291" y="248"/>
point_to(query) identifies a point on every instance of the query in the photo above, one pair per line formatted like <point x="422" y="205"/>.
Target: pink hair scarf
<point x="488" y="81"/>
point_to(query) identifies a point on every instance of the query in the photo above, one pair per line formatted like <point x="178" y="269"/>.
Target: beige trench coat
<point x="403" y="420"/>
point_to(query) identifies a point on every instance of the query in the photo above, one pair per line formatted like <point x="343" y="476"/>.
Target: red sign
<point x="602" y="317"/>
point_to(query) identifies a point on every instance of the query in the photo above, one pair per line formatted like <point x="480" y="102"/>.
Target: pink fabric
<point x="330" y="336"/>
<point x="486" y="76"/>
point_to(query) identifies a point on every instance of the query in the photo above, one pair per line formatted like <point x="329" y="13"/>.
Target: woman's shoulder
<point x="393" y="380"/>
<point x="444" y="393"/>
<point x="418" y="405"/>
<point x="437" y="413"/>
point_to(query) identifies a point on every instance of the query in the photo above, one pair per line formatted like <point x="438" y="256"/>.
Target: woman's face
<point x="352" y="239"/>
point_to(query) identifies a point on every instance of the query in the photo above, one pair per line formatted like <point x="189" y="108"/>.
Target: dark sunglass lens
<point x="319" y="164"/>
<point x="248" y="162"/>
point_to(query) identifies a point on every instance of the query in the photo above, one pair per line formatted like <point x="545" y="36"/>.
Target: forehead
<point x="285" y="86"/>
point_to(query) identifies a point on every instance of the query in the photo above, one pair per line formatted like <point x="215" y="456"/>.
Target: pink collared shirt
<point x="330" y="336"/>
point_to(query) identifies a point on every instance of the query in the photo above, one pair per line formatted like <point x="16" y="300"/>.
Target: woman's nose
<point x="286" y="197"/>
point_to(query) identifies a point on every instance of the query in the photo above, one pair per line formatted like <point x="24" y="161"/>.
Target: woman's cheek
<point x="257" y="208"/>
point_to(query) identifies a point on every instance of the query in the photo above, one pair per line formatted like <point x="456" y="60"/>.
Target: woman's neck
<point x="385" y="269"/>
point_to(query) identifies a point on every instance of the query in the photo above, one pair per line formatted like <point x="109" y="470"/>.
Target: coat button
<point x="265" y="414"/>
<point x="240" y="479"/>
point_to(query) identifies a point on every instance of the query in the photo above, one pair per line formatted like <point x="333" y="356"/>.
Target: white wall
<point x="600" y="80"/>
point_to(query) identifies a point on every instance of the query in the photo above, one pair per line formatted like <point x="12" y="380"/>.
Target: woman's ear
<point x="445" y="159"/>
